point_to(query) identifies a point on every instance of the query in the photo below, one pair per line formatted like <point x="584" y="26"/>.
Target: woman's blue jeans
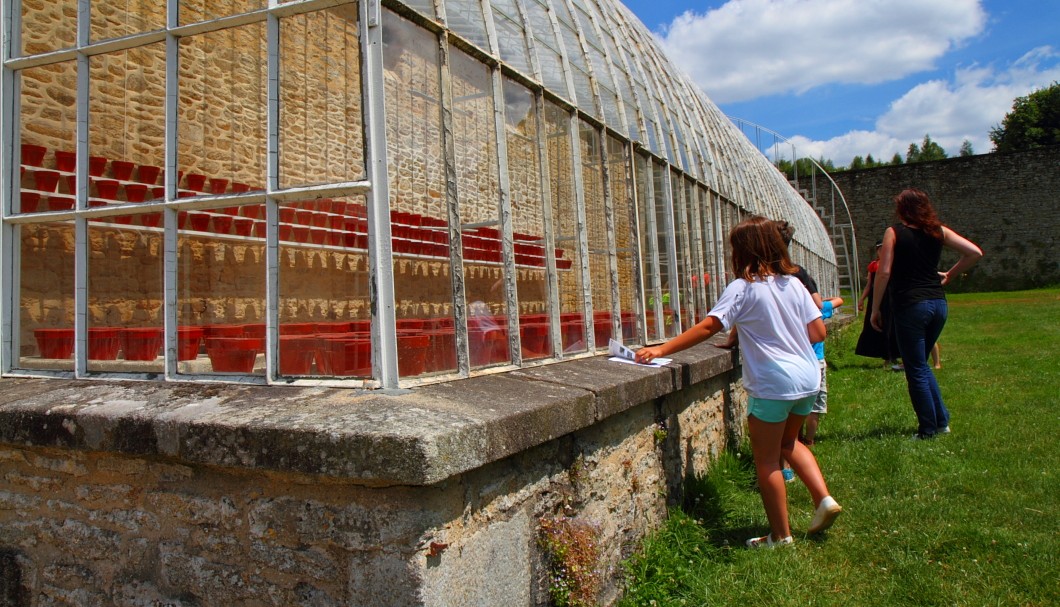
<point x="917" y="327"/>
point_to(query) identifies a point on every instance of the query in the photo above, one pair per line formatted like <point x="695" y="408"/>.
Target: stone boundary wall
<point x="188" y="495"/>
<point x="1008" y="204"/>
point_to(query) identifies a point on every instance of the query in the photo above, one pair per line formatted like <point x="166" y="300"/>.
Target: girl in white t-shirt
<point x="777" y="322"/>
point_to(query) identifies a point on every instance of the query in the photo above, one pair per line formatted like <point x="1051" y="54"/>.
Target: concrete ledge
<point x="419" y="438"/>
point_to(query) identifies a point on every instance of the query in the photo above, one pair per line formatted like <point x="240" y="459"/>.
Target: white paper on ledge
<point x="622" y="354"/>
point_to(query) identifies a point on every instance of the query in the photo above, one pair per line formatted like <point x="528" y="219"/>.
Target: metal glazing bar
<point x="170" y="265"/>
<point x="671" y="241"/>
<point x="380" y="254"/>
<point x="581" y="230"/>
<point x="272" y="211"/>
<point x="551" y="274"/>
<point x="80" y="222"/>
<point x="504" y="207"/>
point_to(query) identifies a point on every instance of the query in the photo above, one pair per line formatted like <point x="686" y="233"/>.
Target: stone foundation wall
<point x="215" y="496"/>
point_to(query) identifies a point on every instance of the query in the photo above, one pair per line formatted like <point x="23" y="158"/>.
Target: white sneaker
<point x="766" y="541"/>
<point x="825" y="515"/>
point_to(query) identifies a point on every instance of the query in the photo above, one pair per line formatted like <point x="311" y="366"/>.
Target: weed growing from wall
<point x="572" y="553"/>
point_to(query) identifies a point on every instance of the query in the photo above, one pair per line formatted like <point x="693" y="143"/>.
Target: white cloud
<point x="966" y="107"/>
<point x="754" y="48"/>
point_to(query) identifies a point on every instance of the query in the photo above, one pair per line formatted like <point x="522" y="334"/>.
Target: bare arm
<point x="970" y="253"/>
<point x="883" y="276"/>
<point x="816" y="330"/>
<point x="700" y="332"/>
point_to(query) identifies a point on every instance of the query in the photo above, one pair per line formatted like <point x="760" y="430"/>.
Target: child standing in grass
<point x="820" y="403"/>
<point x="777" y="322"/>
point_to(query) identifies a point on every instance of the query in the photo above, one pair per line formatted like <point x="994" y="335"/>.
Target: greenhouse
<point x="363" y="194"/>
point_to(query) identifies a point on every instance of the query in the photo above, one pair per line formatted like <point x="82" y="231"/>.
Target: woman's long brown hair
<point x="913" y="208"/>
<point x="758" y="249"/>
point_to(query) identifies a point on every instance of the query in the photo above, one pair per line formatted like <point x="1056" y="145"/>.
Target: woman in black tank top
<point x="908" y="273"/>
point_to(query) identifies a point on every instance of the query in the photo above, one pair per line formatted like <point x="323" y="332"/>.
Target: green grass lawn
<point x="970" y="518"/>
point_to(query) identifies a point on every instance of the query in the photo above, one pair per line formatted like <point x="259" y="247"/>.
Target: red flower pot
<point x="121" y="169"/>
<point x="135" y="192"/>
<point x="33" y="155"/>
<point x="46" y="180"/>
<point x="412" y="354"/>
<point x="297" y="354"/>
<point x="29" y="201"/>
<point x="240" y="187"/>
<point x="318" y="235"/>
<point x="441" y="353"/>
<point x="260" y="229"/>
<point x="287" y="214"/>
<point x="602" y="331"/>
<point x="54" y="343"/>
<point x="141" y="343"/>
<point x="298" y="328"/>
<point x="254" y="330"/>
<point x="218" y="186"/>
<point x="60" y="203"/>
<point x="148" y="174"/>
<point x="535" y="340"/>
<point x="65" y="161"/>
<point x="286" y="231"/>
<point x="96" y="165"/>
<point x="303" y="217"/>
<point x="233" y="354"/>
<point x="200" y="222"/>
<point x="151" y="220"/>
<point x="212" y="331"/>
<point x="242" y="226"/>
<point x="347" y="356"/>
<point x="107" y="189"/>
<point x="196" y="182"/>
<point x="188" y="341"/>
<point x="487" y="346"/>
<point x="158" y="192"/>
<point x="319" y="220"/>
<point x="300" y="233"/>
<point x="104" y="343"/>
<point x="222" y="224"/>
<point x="253" y="211"/>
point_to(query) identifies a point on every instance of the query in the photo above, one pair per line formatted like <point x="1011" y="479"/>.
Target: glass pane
<point x="512" y="42"/>
<point x="528" y="225"/>
<point x="324" y="306"/>
<point x="48" y="26"/>
<point x="695" y="234"/>
<point x="222" y="111"/>
<point x="596" y="231"/>
<point x="648" y="245"/>
<point x="710" y="249"/>
<point x="134" y="17"/>
<point x="565" y="228"/>
<point x="221" y="295"/>
<point x="478" y="190"/>
<point x="423" y="286"/>
<point x="465" y="18"/>
<point x="48" y="132"/>
<point x="621" y="200"/>
<point x="321" y="137"/>
<point x="124" y="297"/>
<point x="684" y="275"/>
<point x="46" y="296"/>
<point x="126" y="129"/>
<point x="662" y="238"/>
<point x="192" y="11"/>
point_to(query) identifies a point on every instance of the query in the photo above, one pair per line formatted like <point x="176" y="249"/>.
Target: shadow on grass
<point x="864" y="434"/>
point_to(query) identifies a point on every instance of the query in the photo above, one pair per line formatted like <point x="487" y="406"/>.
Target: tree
<point x="966" y="148"/>
<point x="927" y="150"/>
<point x="913" y="153"/>
<point x="896" y="159"/>
<point x="857" y="163"/>
<point x="1033" y="122"/>
<point x="870" y="162"/>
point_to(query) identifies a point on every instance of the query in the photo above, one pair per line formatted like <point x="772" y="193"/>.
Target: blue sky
<point x="854" y="77"/>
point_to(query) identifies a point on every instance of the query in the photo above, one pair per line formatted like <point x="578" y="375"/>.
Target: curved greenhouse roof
<point x="598" y="57"/>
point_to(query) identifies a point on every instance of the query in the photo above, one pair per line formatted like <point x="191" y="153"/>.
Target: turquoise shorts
<point x="774" y="411"/>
